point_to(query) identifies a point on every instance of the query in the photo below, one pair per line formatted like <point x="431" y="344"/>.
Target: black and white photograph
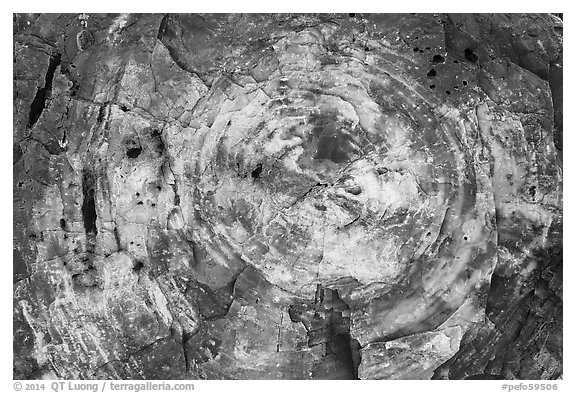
<point x="287" y="196"/>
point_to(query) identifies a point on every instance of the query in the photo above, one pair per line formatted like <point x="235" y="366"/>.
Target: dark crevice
<point x="117" y="238"/>
<point x="178" y="61"/>
<point x="63" y="141"/>
<point x="555" y="79"/>
<point x="310" y="190"/>
<point x="327" y="322"/>
<point x="101" y="114"/>
<point x="43" y="94"/>
<point x="279" y="332"/>
<point x="89" y="204"/>
<point x="164" y="36"/>
<point x="162" y="31"/>
<point x="195" y="251"/>
<point x="174" y="186"/>
<point x="163" y="26"/>
<point x="185" y="338"/>
<point x="176" y="195"/>
<point x="351" y="222"/>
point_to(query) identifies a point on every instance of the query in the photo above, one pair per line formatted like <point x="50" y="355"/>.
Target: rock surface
<point x="287" y="196"/>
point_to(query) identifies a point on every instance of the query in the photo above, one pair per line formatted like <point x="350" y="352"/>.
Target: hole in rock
<point x="62" y="223"/>
<point x="437" y="59"/>
<point x="448" y="92"/>
<point x="456" y="61"/>
<point x="416" y="49"/>
<point x="138" y="266"/>
<point x="432" y="86"/>
<point x="432" y="73"/>
<point x="465" y="237"/>
<point x="464" y="83"/>
<point x="351" y="15"/>
<point x="470" y="55"/>
<point x="257" y="172"/>
<point x="140" y="203"/>
<point x="133" y="152"/>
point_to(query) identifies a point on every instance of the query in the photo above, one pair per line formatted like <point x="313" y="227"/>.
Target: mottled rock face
<point x="287" y="196"/>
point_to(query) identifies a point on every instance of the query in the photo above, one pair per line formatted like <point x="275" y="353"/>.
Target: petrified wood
<point x="287" y="196"/>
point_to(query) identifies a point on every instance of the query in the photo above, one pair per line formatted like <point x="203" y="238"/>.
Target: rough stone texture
<point x="287" y="196"/>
